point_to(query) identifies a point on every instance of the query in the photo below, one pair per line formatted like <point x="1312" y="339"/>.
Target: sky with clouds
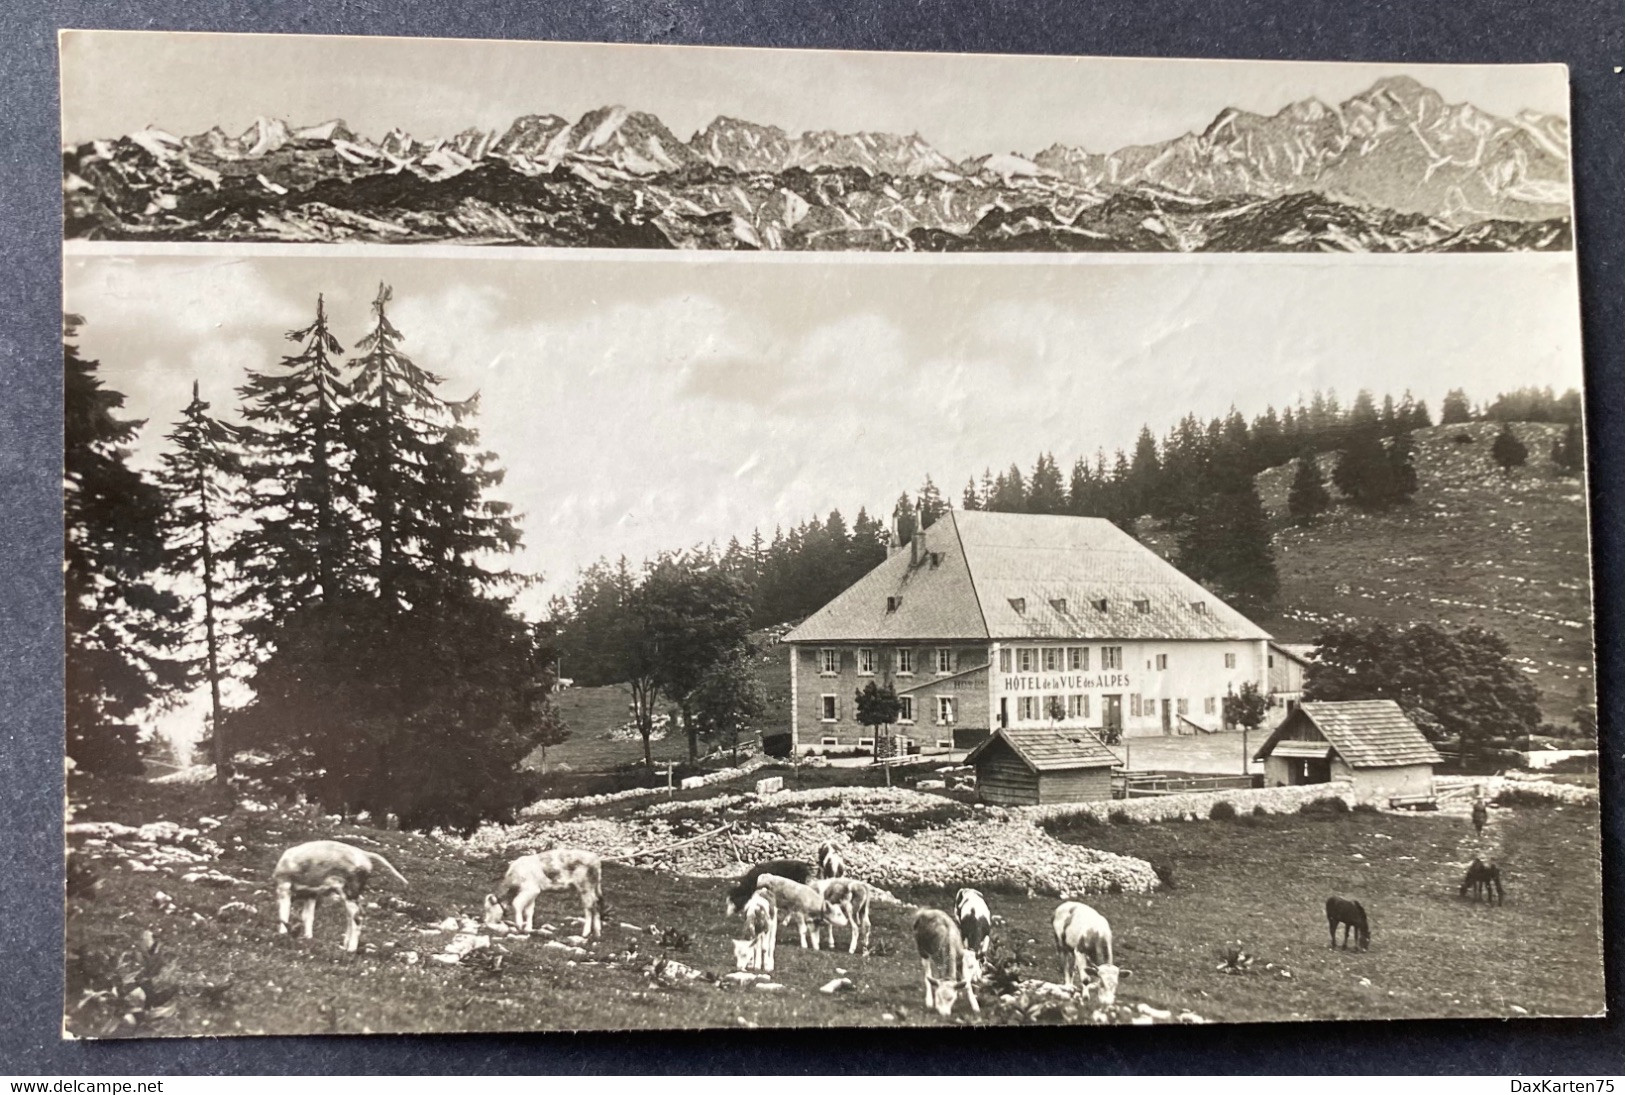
<point x="116" y="82"/>
<point x="645" y="405"/>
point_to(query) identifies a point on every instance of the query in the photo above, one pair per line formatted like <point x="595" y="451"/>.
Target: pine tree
<point x="1141" y="489"/>
<point x="1225" y="543"/>
<point x="120" y="628"/>
<point x="969" y="500"/>
<point x="424" y="484"/>
<point x="932" y="504"/>
<point x="198" y="478"/>
<point x="1366" y="472"/>
<point x="1508" y="451"/>
<point x="1046" y="494"/>
<point x="1308" y="497"/>
<point x="299" y="545"/>
<point x="1456" y="409"/>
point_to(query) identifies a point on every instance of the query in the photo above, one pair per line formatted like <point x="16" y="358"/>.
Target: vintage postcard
<point x="567" y="536"/>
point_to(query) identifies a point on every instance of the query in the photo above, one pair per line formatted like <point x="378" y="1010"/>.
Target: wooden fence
<point x="1147" y="784"/>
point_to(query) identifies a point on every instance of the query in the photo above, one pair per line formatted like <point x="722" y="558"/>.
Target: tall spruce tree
<point x="1455" y="408"/>
<point x="199" y="477"/>
<point x="423" y="483"/>
<point x="1308" y="497"/>
<point x="1225" y="543"/>
<point x="1508" y="451"/>
<point x="1568" y="451"/>
<point x="300" y="544"/>
<point x="120" y="628"/>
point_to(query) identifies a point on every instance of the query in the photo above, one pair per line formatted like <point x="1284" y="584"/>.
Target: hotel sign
<point x="1065" y="682"/>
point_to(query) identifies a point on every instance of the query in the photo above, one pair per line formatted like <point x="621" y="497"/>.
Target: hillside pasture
<point x="1256" y="882"/>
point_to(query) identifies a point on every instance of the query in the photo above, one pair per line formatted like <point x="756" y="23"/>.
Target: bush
<point x="1120" y="817"/>
<point x="1366" y="808"/>
<point x="1222" y="811"/>
<point x="776" y="745"/>
<point x="1522" y="796"/>
<point x="1165" y="874"/>
<point x="1259" y="811"/>
<point x="1333" y="806"/>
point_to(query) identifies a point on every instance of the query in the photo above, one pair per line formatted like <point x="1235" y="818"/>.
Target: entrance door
<point x="1167" y="716"/>
<point x="1111" y="716"/>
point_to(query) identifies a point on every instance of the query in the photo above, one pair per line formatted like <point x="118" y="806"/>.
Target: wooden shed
<point x="1040" y="765"/>
<point x="1368" y="742"/>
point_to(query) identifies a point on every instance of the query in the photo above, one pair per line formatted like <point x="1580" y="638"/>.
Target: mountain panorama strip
<point x="1392" y="169"/>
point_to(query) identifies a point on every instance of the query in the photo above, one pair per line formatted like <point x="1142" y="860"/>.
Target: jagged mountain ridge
<point x="1396" y="149"/>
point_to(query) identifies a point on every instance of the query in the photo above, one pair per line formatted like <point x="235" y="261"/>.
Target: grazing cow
<point x="801" y="903"/>
<point x="1481" y="816"/>
<point x="558" y="869"/>
<point x="321" y="868"/>
<point x="1083" y="939"/>
<point x="796" y="870"/>
<point x="852" y="897"/>
<point x="1484" y="879"/>
<point x="762" y="922"/>
<point x="1351" y="916"/>
<point x="942" y="958"/>
<point x="975" y="925"/>
<point x="830" y="863"/>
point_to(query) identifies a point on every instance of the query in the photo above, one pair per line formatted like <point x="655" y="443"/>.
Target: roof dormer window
<point x="1101" y="605"/>
<point x="1019" y="604"/>
<point x="1199" y="607"/>
<point x="1059" y="605"/>
<point x="893" y="603"/>
<point x="1142" y="606"/>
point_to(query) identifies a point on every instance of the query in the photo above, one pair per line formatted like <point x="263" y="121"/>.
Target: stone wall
<point x="1274" y="800"/>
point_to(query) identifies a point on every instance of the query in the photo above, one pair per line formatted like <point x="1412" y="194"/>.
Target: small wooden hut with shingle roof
<point x="1039" y="765"/>
<point x="1368" y="742"/>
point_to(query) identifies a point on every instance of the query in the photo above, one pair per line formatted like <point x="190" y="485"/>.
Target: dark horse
<point x="1484" y="879"/>
<point x="1351" y="915"/>
<point x="1481" y="816"/>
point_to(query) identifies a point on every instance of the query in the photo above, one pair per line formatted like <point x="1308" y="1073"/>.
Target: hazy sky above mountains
<point x="642" y="405"/>
<point x="118" y="82"/>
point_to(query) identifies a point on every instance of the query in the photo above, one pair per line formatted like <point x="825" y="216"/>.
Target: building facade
<point x="990" y="620"/>
<point x="1369" y="743"/>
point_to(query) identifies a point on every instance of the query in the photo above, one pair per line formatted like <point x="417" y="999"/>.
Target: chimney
<point x="916" y="543"/>
<point x="894" y="540"/>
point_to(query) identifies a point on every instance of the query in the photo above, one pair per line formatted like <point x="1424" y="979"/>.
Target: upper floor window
<point x="905" y="662"/>
<point x="826" y="707"/>
<point x="1162" y="661"/>
<point x="1077" y="658"/>
<point x="1004" y="659"/>
<point x="905" y="708"/>
<point x="866" y="662"/>
<point x="1229" y="661"/>
<point x="945" y="710"/>
<point x="945" y="659"/>
<point x="1052" y="659"/>
<point x="829" y="662"/>
<point x="1027" y="659"/>
<point x="1111" y="657"/>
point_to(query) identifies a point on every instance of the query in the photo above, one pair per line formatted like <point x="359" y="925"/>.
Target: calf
<point x="852" y="897"/>
<point x="762" y="921"/>
<point x="942" y="958"/>
<point x="975" y="925"/>
<point x="1350" y="915"/>
<point x="796" y="870"/>
<point x="558" y="869"/>
<point x="1481" y="816"/>
<point x="830" y="864"/>
<point x="1484" y="879"/>
<point x="802" y="904"/>
<point x="321" y="868"/>
<point x="1083" y="939"/>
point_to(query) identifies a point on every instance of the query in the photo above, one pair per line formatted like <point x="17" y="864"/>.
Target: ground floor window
<point x="826" y="707"/>
<point x="945" y="710"/>
<point x="1027" y="709"/>
<point x="1184" y="707"/>
<point x="1077" y="707"/>
<point x="905" y="708"/>
<point x="1209" y="705"/>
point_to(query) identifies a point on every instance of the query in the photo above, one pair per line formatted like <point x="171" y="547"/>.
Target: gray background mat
<point x="1588" y="35"/>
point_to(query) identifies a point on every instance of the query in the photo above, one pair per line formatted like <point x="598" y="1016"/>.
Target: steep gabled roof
<point x="931" y="599"/>
<point x="1365" y="733"/>
<point x="1046" y="561"/>
<point x="1045" y="749"/>
<point x="977" y="567"/>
